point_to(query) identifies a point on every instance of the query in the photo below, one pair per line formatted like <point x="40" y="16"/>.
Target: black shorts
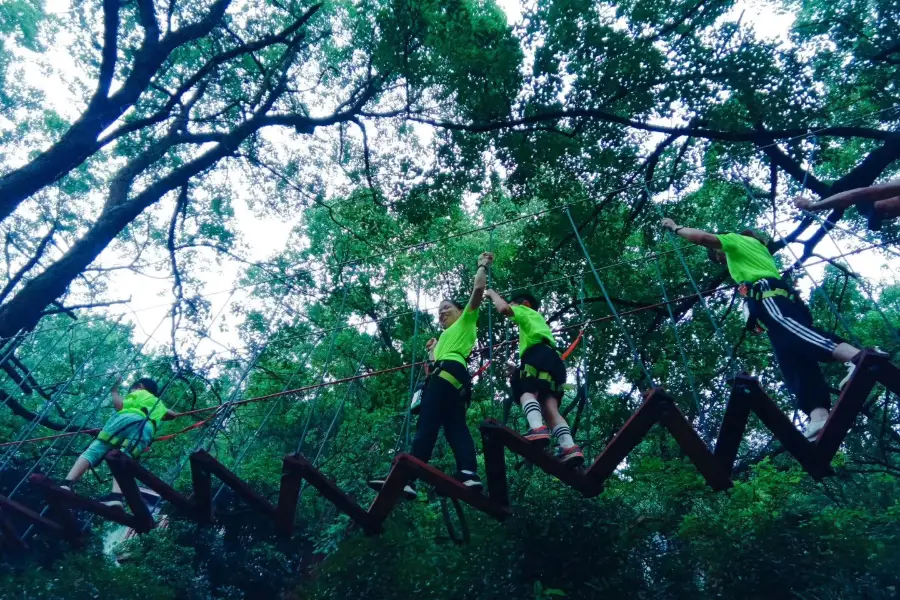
<point x="542" y="358"/>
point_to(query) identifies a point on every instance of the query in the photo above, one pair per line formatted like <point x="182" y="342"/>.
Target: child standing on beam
<point x="773" y="304"/>
<point x="130" y="431"/>
<point x="538" y="381"/>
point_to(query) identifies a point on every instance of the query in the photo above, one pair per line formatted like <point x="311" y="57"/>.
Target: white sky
<point x="265" y="236"/>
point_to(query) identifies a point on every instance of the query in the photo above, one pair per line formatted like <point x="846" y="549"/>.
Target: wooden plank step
<point x="889" y="375"/>
<point x="628" y="437"/>
<point x="449" y="486"/>
<point x="69" y="499"/>
<point x="299" y="464"/>
<point x="493" y="430"/>
<point x="495" y="463"/>
<point x="734" y="421"/>
<point x="204" y="462"/>
<point x="848" y="406"/>
<point x="784" y="431"/>
<point x="128" y="467"/>
<point x="694" y="447"/>
<point x="32" y="516"/>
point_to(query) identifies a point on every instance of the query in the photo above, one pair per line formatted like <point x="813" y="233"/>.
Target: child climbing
<point x="773" y="304"/>
<point x="130" y="431"/>
<point x="448" y="389"/>
<point x="876" y="202"/>
<point x="539" y="379"/>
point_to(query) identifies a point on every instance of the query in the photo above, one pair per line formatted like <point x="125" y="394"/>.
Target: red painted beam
<point x="734" y="421"/>
<point x="117" y="460"/>
<point x="539" y="458"/>
<point x="627" y="438"/>
<point x="494" y="463"/>
<point x="207" y="463"/>
<point x="32" y="516"/>
<point x="297" y="463"/>
<point x="69" y="499"/>
<point x="449" y="486"/>
<point x="694" y="447"/>
<point x="848" y="406"/>
<point x="390" y="493"/>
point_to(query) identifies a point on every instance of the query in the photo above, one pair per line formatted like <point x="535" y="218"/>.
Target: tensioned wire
<point x="620" y="189"/>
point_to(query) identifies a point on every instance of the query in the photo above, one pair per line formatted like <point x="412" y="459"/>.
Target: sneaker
<point x="571" y="455"/>
<point x="470" y="480"/>
<point x="814" y="430"/>
<point x="409" y="490"/>
<point x="851" y="369"/>
<point x="113" y="499"/>
<point x="66" y="486"/>
<point x="540" y="436"/>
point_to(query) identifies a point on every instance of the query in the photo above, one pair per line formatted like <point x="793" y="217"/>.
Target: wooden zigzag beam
<point x="715" y="465"/>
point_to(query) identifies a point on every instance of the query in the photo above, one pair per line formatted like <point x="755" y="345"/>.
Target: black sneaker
<point x="470" y="480"/>
<point x="113" y="499"/>
<point x="409" y="490"/>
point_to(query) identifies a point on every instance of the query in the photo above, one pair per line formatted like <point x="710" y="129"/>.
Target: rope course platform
<point x="715" y="465"/>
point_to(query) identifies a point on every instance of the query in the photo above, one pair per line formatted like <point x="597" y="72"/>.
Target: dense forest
<point x="399" y="139"/>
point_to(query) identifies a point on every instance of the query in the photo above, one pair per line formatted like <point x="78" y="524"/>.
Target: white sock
<point x="533" y="413"/>
<point x="563" y="435"/>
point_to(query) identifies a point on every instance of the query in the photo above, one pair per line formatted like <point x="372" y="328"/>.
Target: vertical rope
<point x="490" y="370"/>
<point x="634" y="351"/>
<point x="684" y="357"/>
<point x="412" y="370"/>
<point x="584" y="368"/>
<point x="315" y="401"/>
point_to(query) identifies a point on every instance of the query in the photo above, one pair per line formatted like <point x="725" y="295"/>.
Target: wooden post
<point x="130" y="490"/>
<point x="117" y="460"/>
<point x="494" y="464"/>
<point x="202" y="482"/>
<point x="734" y="422"/>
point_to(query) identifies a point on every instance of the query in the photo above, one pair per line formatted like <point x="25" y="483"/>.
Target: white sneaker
<point x="409" y="491"/>
<point x="814" y="429"/>
<point x="851" y="369"/>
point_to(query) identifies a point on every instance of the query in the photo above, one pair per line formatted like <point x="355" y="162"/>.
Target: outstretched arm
<point x="500" y="304"/>
<point x="873" y="193"/>
<point x="695" y="236"/>
<point x="484" y="261"/>
<point x="118" y="402"/>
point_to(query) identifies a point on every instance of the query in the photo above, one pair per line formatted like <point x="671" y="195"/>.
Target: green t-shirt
<point x="748" y="258"/>
<point x="533" y="328"/>
<point x="457" y="341"/>
<point x="142" y="402"/>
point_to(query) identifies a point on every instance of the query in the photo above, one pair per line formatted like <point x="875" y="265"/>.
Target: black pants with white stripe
<point x="799" y="348"/>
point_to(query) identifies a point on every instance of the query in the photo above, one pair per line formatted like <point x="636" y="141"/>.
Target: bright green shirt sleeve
<point x="748" y="259"/>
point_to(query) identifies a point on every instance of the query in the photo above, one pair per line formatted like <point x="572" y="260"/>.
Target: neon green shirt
<point x="142" y="402"/>
<point x="748" y="258"/>
<point x="533" y="328"/>
<point x="457" y="341"/>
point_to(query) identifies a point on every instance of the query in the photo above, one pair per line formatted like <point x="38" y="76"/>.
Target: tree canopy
<point x="399" y="139"/>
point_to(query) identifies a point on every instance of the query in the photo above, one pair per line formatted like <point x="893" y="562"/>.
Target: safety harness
<point x="119" y="442"/>
<point x="754" y="292"/>
<point x="529" y="371"/>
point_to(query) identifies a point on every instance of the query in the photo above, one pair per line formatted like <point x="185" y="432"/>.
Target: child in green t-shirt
<point x="538" y="381"/>
<point x="775" y="306"/>
<point x="130" y="431"/>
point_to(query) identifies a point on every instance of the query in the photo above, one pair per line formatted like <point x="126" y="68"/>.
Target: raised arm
<point x="695" y="236"/>
<point x="873" y="193"/>
<point x="118" y="402"/>
<point x="484" y="261"/>
<point x="500" y="304"/>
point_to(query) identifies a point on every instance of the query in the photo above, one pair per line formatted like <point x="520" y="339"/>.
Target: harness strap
<point x="529" y="371"/>
<point x="448" y="377"/>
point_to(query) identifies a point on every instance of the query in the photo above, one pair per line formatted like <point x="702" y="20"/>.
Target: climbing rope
<point x="609" y="302"/>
